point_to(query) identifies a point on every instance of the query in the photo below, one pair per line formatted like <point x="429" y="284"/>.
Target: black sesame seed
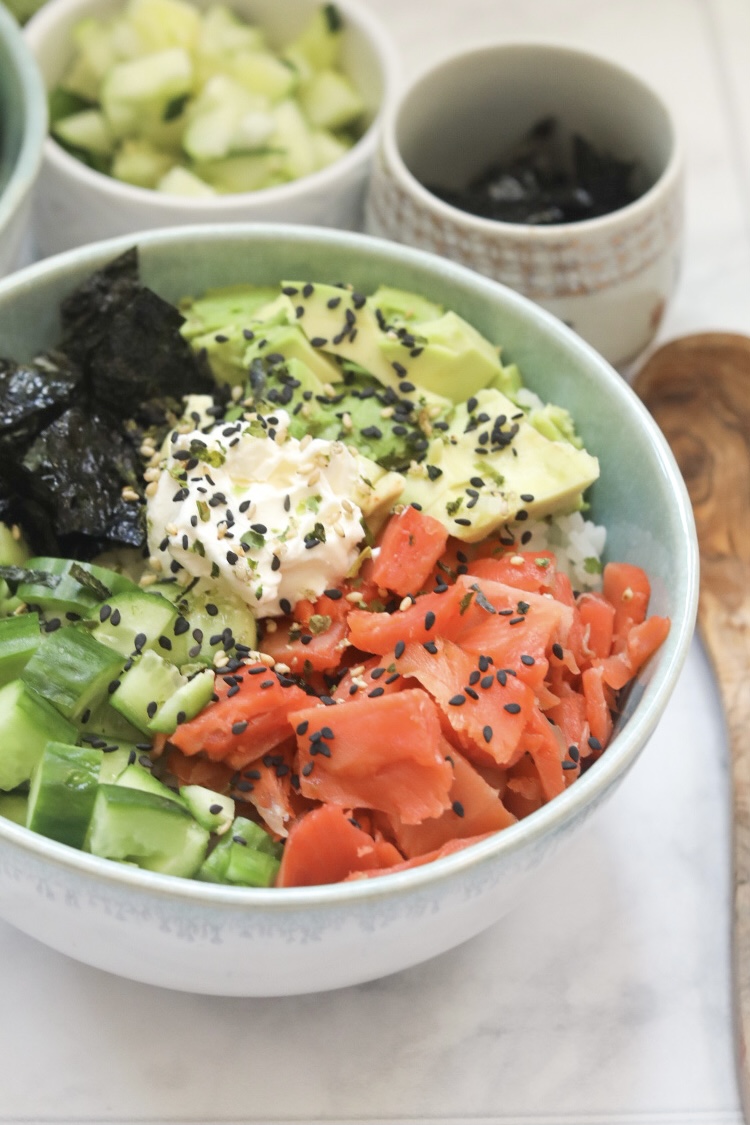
<point x="398" y="651"/>
<point x="457" y="700"/>
<point x="574" y="753"/>
<point x="104" y="612"/>
<point x="239" y="727"/>
<point x="474" y="678"/>
<point x="458" y="808"/>
<point x="429" y="620"/>
<point x="165" y="643"/>
<point x="152" y="708"/>
<point x="470" y="691"/>
<point x="527" y="660"/>
<point x="431" y="647"/>
<point x="285" y="605"/>
<point x="487" y="733"/>
<point x="594" y="743"/>
<point x="181" y="625"/>
<point x="378" y="691"/>
<point x="512" y="708"/>
<point x="487" y="681"/>
<point x="558" y="651"/>
<point x="211" y="609"/>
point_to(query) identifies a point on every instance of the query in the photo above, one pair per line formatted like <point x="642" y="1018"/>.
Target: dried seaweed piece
<point x="31" y="396"/>
<point x="547" y="179"/>
<point x="76" y="470"/>
<point x="127" y="340"/>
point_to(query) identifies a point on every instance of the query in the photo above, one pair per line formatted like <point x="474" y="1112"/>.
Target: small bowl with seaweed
<point x="23" y="125"/>
<point x="167" y="112"/>
<point x="320" y="625"/>
<point x="550" y="169"/>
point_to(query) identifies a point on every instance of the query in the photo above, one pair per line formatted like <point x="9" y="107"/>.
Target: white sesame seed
<point x="271" y="625"/>
<point x="129" y="495"/>
<point x="151" y="489"/>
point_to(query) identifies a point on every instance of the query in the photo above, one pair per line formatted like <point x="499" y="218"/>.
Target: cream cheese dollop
<point x="243" y="503"/>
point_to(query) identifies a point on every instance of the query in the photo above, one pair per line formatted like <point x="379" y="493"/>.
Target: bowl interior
<point x="640" y="497"/>
<point x="469" y="111"/>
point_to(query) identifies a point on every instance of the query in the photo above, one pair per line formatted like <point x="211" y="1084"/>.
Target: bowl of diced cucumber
<point x="23" y="124"/>
<point x="166" y="112"/>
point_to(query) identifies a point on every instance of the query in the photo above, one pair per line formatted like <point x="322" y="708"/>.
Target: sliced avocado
<point x="556" y="423"/>
<point x="493" y="467"/>
<point x="340" y="321"/>
<point x="399" y="306"/>
<point x="377" y="492"/>
<point x="290" y="342"/>
<point x="445" y="355"/>
<point x="219" y="320"/>
<point x="508" y="380"/>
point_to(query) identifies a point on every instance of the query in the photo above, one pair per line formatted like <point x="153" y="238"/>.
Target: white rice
<point x="577" y="543"/>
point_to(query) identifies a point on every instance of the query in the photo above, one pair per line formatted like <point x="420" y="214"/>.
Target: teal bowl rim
<point x="34" y="113"/>
<point x="560" y="812"/>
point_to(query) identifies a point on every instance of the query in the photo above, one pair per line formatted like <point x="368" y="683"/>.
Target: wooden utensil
<point x="698" y="390"/>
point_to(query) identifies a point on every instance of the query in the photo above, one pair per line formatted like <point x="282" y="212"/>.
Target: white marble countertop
<point x="604" y="998"/>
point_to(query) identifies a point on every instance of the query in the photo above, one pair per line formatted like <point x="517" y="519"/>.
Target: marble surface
<point x="604" y="999"/>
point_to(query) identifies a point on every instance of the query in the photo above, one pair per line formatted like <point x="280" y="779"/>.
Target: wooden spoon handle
<point x="729" y="649"/>
<point x="698" y="389"/>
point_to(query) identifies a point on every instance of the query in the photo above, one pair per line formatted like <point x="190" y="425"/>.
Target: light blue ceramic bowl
<point x="232" y="941"/>
<point x="23" y="127"/>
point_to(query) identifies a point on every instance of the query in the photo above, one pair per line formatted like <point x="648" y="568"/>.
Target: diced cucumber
<point x="142" y="90"/>
<point x="209" y="612"/>
<point x="212" y="810"/>
<point x="103" y="721"/>
<point x="115" y="762"/>
<point x="245" y="856"/>
<point x="67" y="594"/>
<point x="292" y="135"/>
<point x="153" y="832"/>
<point x="63" y="788"/>
<point x="140" y="163"/>
<point x="327" y="147"/>
<point x="244" y="173"/>
<point x="225" y="118"/>
<point x="187" y="702"/>
<point x="13" y="806"/>
<point x="87" y="130"/>
<point x="19" y="639"/>
<point x="330" y="101"/>
<point x="72" y="671"/>
<point x="161" y="24"/>
<point x="180" y="181"/>
<point x="261" y="72"/>
<point x="136" y="776"/>
<point x="135" y="621"/>
<point x="319" y="45"/>
<point x="144" y="688"/>
<point x="94" y="56"/>
<point x="28" y="724"/>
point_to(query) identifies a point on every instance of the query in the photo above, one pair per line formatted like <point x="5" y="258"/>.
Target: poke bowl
<point x="23" y="114"/>
<point x="339" y="814"/>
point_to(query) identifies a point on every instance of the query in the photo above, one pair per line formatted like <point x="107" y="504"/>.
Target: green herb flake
<point x="454" y="506"/>
<point x="319" y="623"/>
<point x="203" y="511"/>
<point x="465" y="602"/>
<point x="592" y="565"/>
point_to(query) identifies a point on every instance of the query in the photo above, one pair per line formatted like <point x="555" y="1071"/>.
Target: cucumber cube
<point x="19" y="640"/>
<point x="187" y="702"/>
<point x="246" y="856"/>
<point x="181" y="181"/>
<point x="140" y="90"/>
<point x="72" y="671"/>
<point x="330" y="101"/>
<point x="212" y="810"/>
<point x="28" y="724"/>
<point x="144" y="688"/>
<point x="63" y="788"/>
<point x="153" y="832"/>
<point x="87" y="130"/>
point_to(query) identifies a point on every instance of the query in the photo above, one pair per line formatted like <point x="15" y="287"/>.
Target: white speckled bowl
<point x="23" y="126"/>
<point x="74" y="204"/>
<point x="610" y="277"/>
<point x="245" y="942"/>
